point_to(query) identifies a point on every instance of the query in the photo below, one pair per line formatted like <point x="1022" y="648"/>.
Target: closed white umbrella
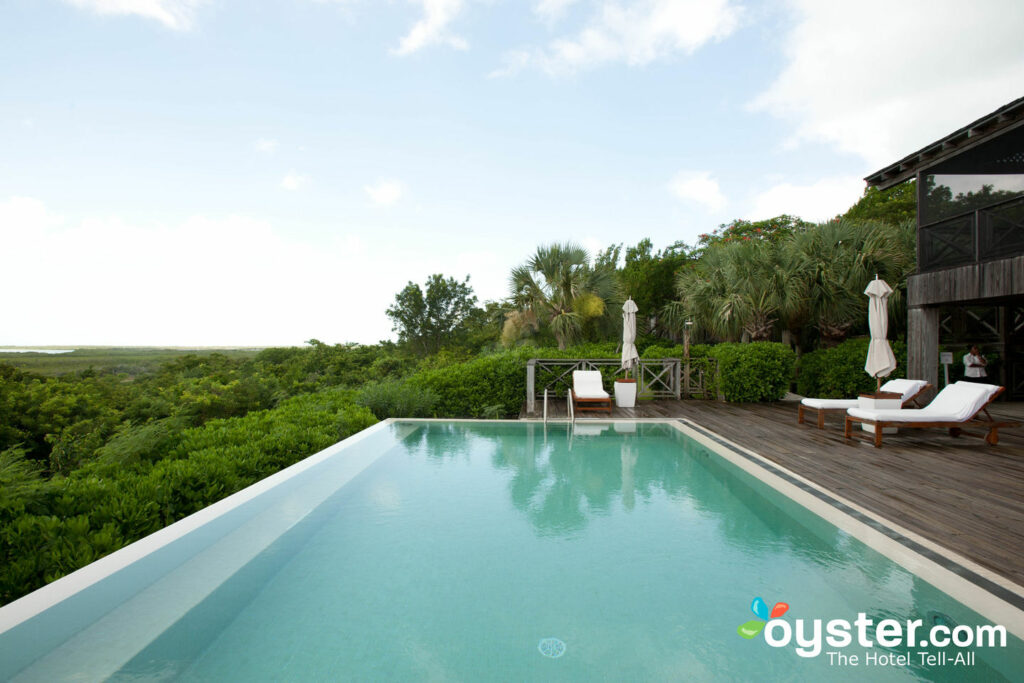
<point x="880" y="361"/>
<point x="630" y="357"/>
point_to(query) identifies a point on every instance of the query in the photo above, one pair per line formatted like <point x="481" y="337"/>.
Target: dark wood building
<point x="969" y="284"/>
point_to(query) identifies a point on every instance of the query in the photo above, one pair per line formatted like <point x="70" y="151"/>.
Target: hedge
<point x="759" y="371"/>
<point x="495" y="386"/>
<point x="838" y="372"/>
<point x="491" y="386"/>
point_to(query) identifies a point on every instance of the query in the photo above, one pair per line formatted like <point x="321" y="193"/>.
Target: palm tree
<point x="735" y="290"/>
<point x="559" y="289"/>
<point x="815" y="277"/>
<point x="833" y="262"/>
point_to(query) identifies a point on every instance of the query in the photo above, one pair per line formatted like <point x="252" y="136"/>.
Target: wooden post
<point x="676" y="383"/>
<point x="531" y="370"/>
<point x="686" y="359"/>
<point x="923" y="344"/>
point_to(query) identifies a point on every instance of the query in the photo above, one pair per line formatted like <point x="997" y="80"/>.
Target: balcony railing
<point x="989" y="233"/>
<point x="656" y="377"/>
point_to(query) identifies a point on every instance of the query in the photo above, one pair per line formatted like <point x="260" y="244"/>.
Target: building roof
<point x="1005" y="118"/>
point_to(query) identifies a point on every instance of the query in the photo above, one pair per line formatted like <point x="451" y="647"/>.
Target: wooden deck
<point x="958" y="492"/>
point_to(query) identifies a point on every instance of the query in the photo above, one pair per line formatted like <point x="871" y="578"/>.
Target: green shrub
<point x="592" y="350"/>
<point x="397" y="399"/>
<point x="838" y="372"/>
<point x="487" y="386"/>
<point x="135" y="444"/>
<point x="697" y="351"/>
<point x="759" y="371"/>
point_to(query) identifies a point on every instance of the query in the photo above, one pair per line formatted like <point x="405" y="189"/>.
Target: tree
<point x="735" y="290"/>
<point x="775" y="229"/>
<point x="649" y="277"/>
<point x="833" y="263"/>
<point x="895" y="206"/>
<point x="559" y="290"/>
<point x="745" y="287"/>
<point x="427" y="322"/>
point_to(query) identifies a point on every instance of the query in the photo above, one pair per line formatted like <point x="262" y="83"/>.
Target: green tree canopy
<point x="649" y="277"/>
<point x="428" y="321"/>
<point x="895" y="206"/>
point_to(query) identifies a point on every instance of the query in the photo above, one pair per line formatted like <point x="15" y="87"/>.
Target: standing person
<point x="974" y="365"/>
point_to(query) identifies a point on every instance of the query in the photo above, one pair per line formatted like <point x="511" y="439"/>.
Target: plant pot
<point x="625" y="393"/>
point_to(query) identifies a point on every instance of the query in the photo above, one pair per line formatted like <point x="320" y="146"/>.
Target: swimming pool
<point x="485" y="550"/>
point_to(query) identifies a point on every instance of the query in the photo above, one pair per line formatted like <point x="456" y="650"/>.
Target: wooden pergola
<point x="970" y="245"/>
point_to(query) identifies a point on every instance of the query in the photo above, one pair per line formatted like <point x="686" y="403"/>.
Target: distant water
<point x="36" y="350"/>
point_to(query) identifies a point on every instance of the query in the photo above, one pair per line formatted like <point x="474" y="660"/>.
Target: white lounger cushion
<point x="830" y="403"/>
<point x="906" y="387"/>
<point x="956" y="403"/>
<point x="587" y="384"/>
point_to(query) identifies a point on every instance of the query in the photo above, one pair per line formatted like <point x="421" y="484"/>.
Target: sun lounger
<point x="588" y="391"/>
<point x="957" y="406"/>
<point x="909" y="390"/>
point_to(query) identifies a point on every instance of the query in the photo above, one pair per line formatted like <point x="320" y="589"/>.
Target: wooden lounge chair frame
<point x="955" y="428"/>
<point x="801" y="409"/>
<point x="591" y="404"/>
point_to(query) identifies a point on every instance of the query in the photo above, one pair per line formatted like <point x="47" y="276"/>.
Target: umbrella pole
<point x="878" y="382"/>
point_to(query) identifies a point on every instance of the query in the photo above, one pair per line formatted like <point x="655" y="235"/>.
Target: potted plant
<point x="625" y="392"/>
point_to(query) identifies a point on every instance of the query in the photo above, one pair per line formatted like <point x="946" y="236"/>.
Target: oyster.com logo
<point x="760" y="609"/>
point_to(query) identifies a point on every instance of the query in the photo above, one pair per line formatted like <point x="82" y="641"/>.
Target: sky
<point x="264" y="172"/>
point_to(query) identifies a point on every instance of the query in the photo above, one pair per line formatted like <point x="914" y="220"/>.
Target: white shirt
<point x="969" y="360"/>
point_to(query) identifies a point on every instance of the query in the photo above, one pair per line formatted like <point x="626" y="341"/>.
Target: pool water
<point x="493" y="551"/>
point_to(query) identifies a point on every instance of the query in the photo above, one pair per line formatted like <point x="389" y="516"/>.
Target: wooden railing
<point x="656" y="377"/>
<point x="985" y="234"/>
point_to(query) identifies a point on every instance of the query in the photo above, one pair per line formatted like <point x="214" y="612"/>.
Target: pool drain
<point x="940" y="619"/>
<point x="551" y="647"/>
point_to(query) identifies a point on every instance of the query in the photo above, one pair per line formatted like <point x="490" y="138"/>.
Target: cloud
<point x="634" y="33"/>
<point x="294" y="181"/>
<point x="880" y="80"/>
<point x="203" y="280"/>
<point x="385" y="192"/>
<point x="174" y="14"/>
<point x="432" y="29"/>
<point x="552" y="10"/>
<point x="817" y="202"/>
<point x="700" y="187"/>
<point x="24" y="216"/>
<point x="217" y="279"/>
<point x="266" y="146"/>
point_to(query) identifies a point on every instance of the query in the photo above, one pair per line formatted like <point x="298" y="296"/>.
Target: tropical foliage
<point x="811" y="279"/>
<point x="559" y="291"/>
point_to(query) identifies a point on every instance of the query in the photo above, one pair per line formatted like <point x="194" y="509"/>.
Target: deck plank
<point x="958" y="492"/>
